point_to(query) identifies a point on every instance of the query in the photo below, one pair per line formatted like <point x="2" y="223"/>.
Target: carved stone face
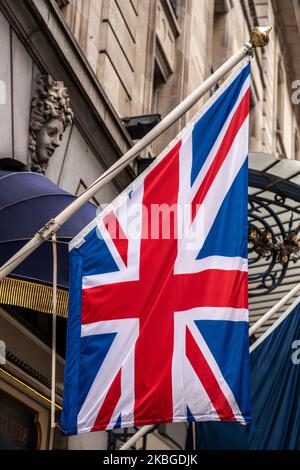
<point x="49" y="138"/>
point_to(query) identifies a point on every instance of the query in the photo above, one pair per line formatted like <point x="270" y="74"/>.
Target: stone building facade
<point x="123" y="59"/>
<point x="149" y="55"/>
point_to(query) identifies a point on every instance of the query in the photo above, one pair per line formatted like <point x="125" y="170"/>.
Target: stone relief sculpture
<point x="50" y="115"/>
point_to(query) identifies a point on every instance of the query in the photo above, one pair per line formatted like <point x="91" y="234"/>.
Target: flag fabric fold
<point x="158" y="301"/>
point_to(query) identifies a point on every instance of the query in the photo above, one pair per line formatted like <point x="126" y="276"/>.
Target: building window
<point x="296" y="147"/>
<point x="280" y="148"/>
<point x="254" y="123"/>
<point x="221" y="33"/>
<point x="158" y="83"/>
<point x="280" y="96"/>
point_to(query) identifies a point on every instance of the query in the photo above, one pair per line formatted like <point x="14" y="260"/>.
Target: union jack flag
<point x="158" y="316"/>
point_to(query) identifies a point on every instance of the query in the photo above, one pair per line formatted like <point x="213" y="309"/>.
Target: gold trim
<point x="32" y="295"/>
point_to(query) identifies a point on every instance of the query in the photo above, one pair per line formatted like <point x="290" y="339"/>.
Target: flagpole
<point x="259" y="38"/>
<point x="274" y="309"/>
<point x="140" y="433"/>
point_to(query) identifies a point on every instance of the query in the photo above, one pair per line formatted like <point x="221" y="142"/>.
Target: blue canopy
<point x="27" y="202"/>
<point x="275" y="392"/>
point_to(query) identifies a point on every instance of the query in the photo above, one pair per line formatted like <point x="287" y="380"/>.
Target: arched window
<point x="280" y="98"/>
<point x="296" y="146"/>
<point x="254" y="123"/>
<point x="280" y="148"/>
<point x="221" y="33"/>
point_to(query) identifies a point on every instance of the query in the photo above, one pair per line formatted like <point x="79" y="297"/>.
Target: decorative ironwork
<point x="272" y="240"/>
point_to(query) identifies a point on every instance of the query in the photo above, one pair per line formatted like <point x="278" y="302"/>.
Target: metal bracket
<point x="250" y="49"/>
<point x="45" y="228"/>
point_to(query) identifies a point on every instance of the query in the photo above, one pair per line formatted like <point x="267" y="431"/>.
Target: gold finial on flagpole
<point x="260" y="36"/>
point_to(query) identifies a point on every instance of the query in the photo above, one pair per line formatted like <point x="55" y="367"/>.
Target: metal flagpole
<point x="140" y="433"/>
<point x="259" y="38"/>
<point x="274" y="309"/>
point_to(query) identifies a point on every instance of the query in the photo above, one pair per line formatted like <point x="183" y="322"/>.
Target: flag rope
<point x="53" y="366"/>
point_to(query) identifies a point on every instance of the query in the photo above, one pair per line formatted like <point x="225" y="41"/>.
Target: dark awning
<point x="27" y="202"/>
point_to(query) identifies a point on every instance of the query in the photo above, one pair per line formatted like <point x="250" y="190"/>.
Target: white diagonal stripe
<point x="190" y="246"/>
<point x="120" y="354"/>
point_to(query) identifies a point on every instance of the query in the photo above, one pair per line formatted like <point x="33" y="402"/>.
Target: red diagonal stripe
<point x="237" y="120"/>
<point x="207" y="378"/>
<point x="109" y="404"/>
<point x="116" y="233"/>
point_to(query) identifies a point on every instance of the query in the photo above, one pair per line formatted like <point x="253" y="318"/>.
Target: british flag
<point x="158" y="312"/>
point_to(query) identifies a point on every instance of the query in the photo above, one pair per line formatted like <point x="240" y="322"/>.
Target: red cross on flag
<point x="158" y="309"/>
